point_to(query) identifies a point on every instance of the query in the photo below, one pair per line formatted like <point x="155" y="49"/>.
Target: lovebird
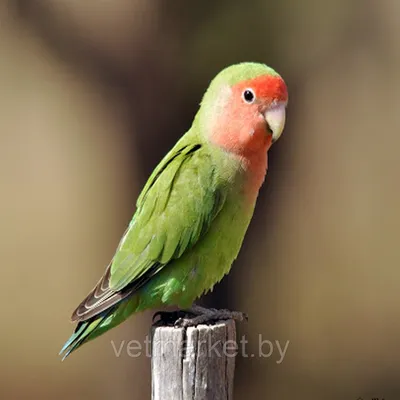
<point x="192" y="214"/>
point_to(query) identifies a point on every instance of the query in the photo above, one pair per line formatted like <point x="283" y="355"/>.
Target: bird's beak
<point x="275" y="117"/>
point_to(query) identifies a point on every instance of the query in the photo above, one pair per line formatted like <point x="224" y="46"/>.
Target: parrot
<point x="193" y="212"/>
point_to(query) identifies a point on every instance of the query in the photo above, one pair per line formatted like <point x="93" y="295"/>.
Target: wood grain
<point x="196" y="363"/>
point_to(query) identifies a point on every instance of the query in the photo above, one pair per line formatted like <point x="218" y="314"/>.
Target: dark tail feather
<point x="84" y="332"/>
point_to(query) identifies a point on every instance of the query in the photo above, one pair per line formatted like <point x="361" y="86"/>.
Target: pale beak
<point x="275" y="117"/>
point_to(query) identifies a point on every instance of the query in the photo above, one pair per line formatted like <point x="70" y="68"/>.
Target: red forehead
<point x="267" y="87"/>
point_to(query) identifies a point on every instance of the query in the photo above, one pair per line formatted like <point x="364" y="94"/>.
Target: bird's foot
<point x="199" y="315"/>
<point x="162" y="318"/>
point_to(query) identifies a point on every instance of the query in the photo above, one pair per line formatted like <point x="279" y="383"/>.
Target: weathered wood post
<point x="195" y="363"/>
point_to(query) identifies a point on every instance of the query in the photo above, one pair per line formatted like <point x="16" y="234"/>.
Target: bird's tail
<point x="84" y="331"/>
<point x="99" y="324"/>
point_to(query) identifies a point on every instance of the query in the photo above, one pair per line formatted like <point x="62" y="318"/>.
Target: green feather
<point x="176" y="207"/>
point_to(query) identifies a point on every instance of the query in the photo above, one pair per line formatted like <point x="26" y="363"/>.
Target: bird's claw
<point x="195" y="316"/>
<point x="204" y="315"/>
<point x="168" y="317"/>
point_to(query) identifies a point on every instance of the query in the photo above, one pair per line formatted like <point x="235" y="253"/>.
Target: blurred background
<point x="94" y="93"/>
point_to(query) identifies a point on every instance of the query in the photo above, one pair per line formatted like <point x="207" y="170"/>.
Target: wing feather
<point x="176" y="207"/>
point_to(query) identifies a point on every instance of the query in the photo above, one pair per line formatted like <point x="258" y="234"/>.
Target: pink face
<point x="252" y="117"/>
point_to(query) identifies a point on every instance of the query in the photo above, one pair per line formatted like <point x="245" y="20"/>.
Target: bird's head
<point x="244" y="108"/>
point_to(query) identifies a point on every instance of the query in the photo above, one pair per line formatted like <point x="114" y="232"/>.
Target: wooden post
<point x="196" y="363"/>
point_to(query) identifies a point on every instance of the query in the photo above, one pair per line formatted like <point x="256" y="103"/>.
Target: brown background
<point x="92" y="95"/>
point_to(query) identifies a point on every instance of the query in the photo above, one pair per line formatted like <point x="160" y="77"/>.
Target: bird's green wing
<point x="176" y="207"/>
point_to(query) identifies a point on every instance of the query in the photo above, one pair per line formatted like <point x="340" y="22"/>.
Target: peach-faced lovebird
<point x="193" y="212"/>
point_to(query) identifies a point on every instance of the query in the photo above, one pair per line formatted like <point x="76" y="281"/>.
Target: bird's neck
<point x="255" y="167"/>
<point x="249" y="167"/>
<point x="251" y="157"/>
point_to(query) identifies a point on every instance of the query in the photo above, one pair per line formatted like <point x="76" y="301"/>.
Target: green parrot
<point x="193" y="212"/>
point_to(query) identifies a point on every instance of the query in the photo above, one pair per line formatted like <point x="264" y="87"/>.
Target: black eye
<point x="248" y="96"/>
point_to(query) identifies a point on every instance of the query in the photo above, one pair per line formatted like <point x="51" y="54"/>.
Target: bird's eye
<point x="248" y="96"/>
